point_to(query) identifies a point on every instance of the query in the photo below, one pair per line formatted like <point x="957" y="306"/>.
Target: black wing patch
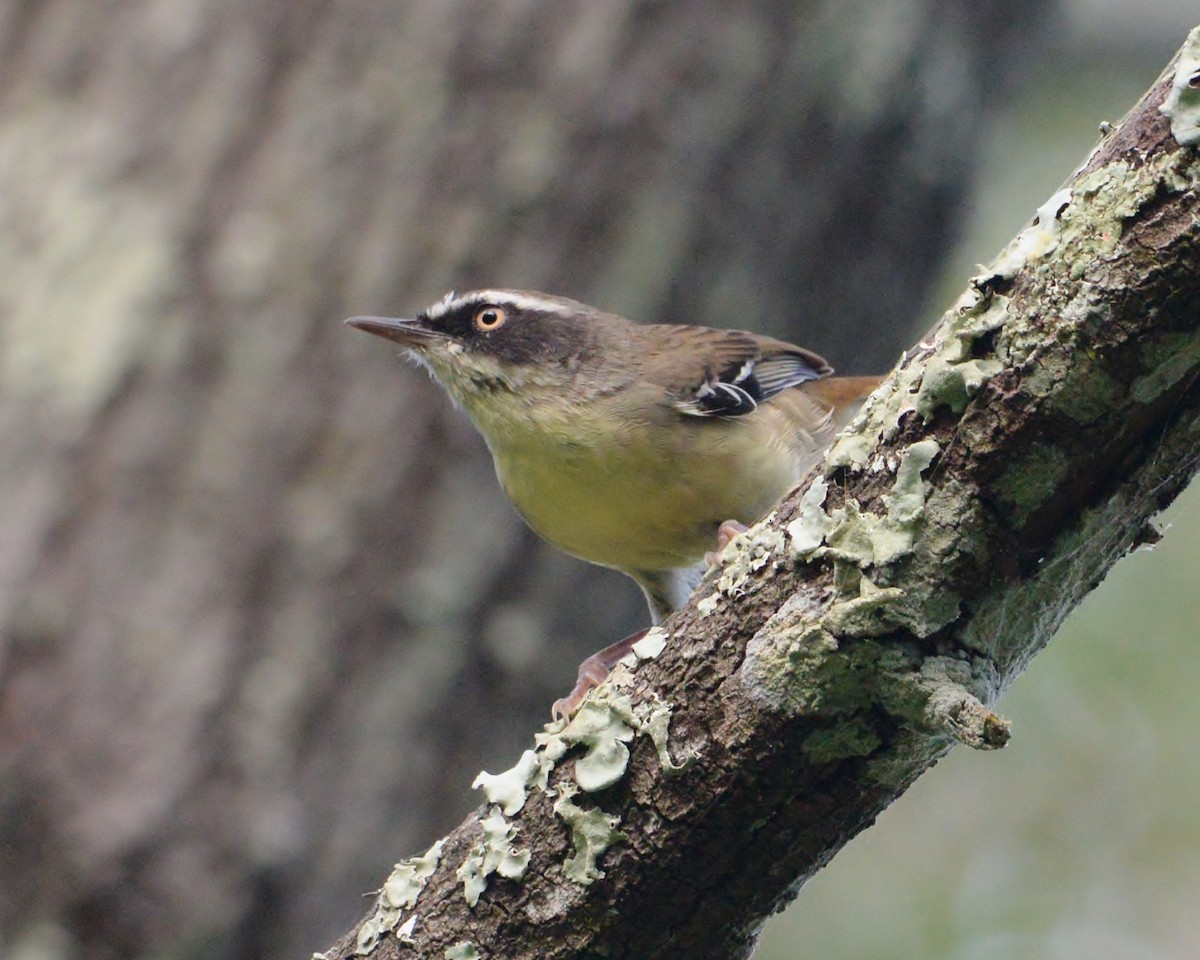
<point x="738" y="390"/>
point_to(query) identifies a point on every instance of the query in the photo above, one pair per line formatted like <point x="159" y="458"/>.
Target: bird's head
<point x="486" y="342"/>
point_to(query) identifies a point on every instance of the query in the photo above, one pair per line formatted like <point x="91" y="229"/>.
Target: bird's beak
<point x="413" y="334"/>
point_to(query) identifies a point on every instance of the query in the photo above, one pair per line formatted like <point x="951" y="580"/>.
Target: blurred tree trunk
<point x="263" y="611"/>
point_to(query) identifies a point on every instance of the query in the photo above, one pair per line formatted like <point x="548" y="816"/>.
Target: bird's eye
<point x="490" y="318"/>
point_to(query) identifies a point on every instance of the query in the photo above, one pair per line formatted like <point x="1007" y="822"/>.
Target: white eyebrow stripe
<point x="521" y="301"/>
<point x="442" y="306"/>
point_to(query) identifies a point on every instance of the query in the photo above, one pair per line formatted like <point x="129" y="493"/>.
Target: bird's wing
<point x="725" y="373"/>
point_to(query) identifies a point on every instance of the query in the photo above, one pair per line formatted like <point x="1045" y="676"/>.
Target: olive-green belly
<point x="642" y="508"/>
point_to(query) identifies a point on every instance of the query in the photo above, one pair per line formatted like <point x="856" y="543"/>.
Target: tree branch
<point x="847" y="642"/>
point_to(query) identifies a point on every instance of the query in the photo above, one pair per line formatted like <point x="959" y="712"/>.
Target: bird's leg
<point x="725" y="534"/>
<point x="594" y="670"/>
<point x="592" y="673"/>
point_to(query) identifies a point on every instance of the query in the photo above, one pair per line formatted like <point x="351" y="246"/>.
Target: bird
<point x="634" y="446"/>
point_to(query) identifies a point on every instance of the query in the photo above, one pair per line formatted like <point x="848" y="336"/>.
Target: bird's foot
<point x="725" y="534"/>
<point x="592" y="673"/>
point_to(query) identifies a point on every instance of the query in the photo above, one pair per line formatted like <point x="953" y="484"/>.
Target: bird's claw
<point x="593" y="672"/>
<point x="725" y="534"/>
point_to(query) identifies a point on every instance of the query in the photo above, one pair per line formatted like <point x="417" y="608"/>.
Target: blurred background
<point x="264" y="612"/>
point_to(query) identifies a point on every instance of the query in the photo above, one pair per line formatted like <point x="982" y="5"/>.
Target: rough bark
<point x="842" y="646"/>
<point x="262" y="609"/>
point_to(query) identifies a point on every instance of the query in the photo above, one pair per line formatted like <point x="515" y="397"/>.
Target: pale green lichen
<point x="1036" y="241"/>
<point x="851" y="538"/>
<point x="945" y="524"/>
<point x="867" y="539"/>
<point x="1094" y="231"/>
<point x="906" y="502"/>
<point x="707" y="606"/>
<point x="1106" y="199"/>
<point x="894" y="533"/>
<point x="462" y="951"/>
<point x="400" y="892"/>
<point x="656" y="725"/>
<point x="603" y="728"/>
<point x="592" y="832"/>
<point x="367" y="938"/>
<point x="747" y="554"/>
<point x="404" y="932"/>
<point x="494" y="853"/>
<point x="852" y="450"/>
<point x="604" y="724"/>
<point x="509" y="789"/>
<point x="952" y="383"/>
<point x="950" y="375"/>
<point x="652" y="644"/>
<point x="408" y="877"/>
<point x="812" y="523"/>
<point x="978" y="311"/>
<point x="864" y="615"/>
<point x="1182" y="103"/>
<point x="648" y="648"/>
<point x="799" y="652"/>
<point x="1074" y="233"/>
